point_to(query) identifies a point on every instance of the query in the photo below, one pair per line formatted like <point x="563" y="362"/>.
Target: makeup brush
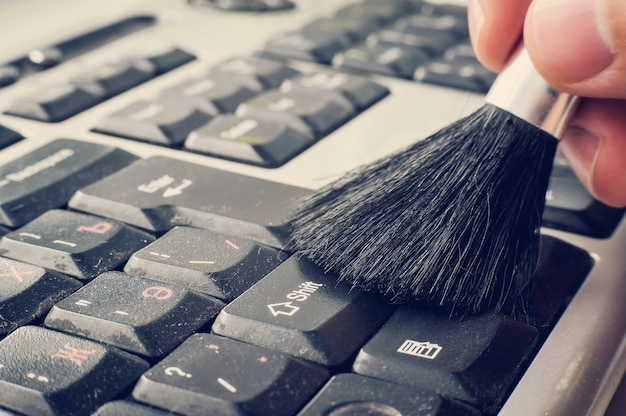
<point x="453" y="220"/>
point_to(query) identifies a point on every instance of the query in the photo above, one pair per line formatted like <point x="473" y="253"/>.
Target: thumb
<point x="579" y="46"/>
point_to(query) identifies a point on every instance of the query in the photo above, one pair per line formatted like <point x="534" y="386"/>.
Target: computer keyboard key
<point x="570" y="207"/>
<point x="425" y="24"/>
<point x="317" y="47"/>
<point x="160" y="193"/>
<point x="164" y="60"/>
<point x="47" y="373"/>
<point x="376" y="14"/>
<point x="351" y="29"/>
<point x="474" y="359"/>
<point x="27" y="292"/>
<point x="561" y="270"/>
<point x="128" y="408"/>
<point x="452" y="74"/>
<point x="432" y="45"/>
<point x="55" y="103"/>
<point x="243" y="380"/>
<point x="306" y="113"/>
<point x="136" y="314"/>
<point x="248" y="5"/>
<point x="47" y="177"/>
<point x="393" y="61"/>
<point x="352" y="394"/>
<point x="247" y="140"/>
<point x="347" y="89"/>
<point x="113" y="78"/>
<point x="218" y="93"/>
<point x="9" y="74"/>
<point x="256" y="72"/>
<point x="428" y="8"/>
<point x="300" y="310"/>
<point x="212" y="263"/>
<point x="79" y="245"/>
<point x="165" y="122"/>
<point x="8" y="137"/>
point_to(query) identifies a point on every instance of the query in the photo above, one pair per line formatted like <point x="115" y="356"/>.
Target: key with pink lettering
<point x="140" y="315"/>
<point x="47" y="373"/>
<point x="27" y="292"/>
<point x="79" y="245"/>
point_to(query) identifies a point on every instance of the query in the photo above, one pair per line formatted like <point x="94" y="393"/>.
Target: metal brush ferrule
<point x="521" y="91"/>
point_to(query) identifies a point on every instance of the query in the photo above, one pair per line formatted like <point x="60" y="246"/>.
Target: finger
<point x="579" y="46"/>
<point x="496" y="29"/>
<point x="595" y="146"/>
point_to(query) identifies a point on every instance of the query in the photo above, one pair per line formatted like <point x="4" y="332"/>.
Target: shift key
<point x="47" y="177"/>
<point x="159" y="193"/>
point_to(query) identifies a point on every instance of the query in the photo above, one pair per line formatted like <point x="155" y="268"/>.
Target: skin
<point x="579" y="47"/>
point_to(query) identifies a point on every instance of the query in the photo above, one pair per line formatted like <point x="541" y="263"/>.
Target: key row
<point x="424" y="42"/>
<point x="159" y="193"/>
<point x="296" y="323"/>
<point x="59" y="102"/>
<point x="249" y="109"/>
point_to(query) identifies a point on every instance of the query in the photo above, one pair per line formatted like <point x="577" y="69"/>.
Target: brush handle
<point x="521" y="91"/>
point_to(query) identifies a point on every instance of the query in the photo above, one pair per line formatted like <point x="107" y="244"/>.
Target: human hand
<point x="579" y="47"/>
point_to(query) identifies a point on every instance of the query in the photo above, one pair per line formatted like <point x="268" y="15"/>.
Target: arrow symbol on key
<point x="169" y="192"/>
<point x="285" y="308"/>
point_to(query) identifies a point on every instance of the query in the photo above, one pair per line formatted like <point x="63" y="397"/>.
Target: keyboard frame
<point x="583" y="360"/>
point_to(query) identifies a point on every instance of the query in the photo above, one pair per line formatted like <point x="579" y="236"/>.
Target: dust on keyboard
<point x="143" y="267"/>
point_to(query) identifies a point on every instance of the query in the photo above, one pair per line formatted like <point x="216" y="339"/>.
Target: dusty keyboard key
<point x="27" y="292"/>
<point x="137" y="314"/>
<point x="47" y="177"/>
<point x="258" y="142"/>
<point x="475" y="359"/>
<point x="46" y="373"/>
<point x="347" y="89"/>
<point x="561" y="270"/>
<point x="166" y="121"/>
<point x="570" y="207"/>
<point x="54" y="104"/>
<point x="219" y="92"/>
<point x="435" y="23"/>
<point x="307" y="46"/>
<point x="309" y="114"/>
<point x="243" y="380"/>
<point x="165" y="60"/>
<point x="354" y="30"/>
<point x="8" y="137"/>
<point x="258" y="73"/>
<point x="392" y="61"/>
<point x="127" y="407"/>
<point x="352" y="394"/>
<point x="9" y="74"/>
<point x="80" y="245"/>
<point x="160" y="193"/>
<point x="300" y="310"/>
<point x="216" y="264"/>
<point x="432" y="45"/>
<point x="376" y="14"/>
<point x="123" y="407"/>
<point x="112" y="79"/>
<point x="450" y="74"/>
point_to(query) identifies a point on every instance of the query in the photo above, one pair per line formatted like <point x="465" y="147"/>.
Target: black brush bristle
<point x="451" y="221"/>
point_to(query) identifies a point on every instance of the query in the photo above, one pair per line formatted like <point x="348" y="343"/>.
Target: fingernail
<point x="571" y="38"/>
<point x="476" y="18"/>
<point x="580" y="147"/>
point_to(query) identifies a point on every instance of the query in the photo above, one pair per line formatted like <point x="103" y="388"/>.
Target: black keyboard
<point x="151" y="153"/>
